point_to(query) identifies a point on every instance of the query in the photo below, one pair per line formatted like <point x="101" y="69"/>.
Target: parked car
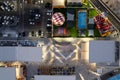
<point x="48" y="5"/>
<point x="39" y="33"/>
<point x="9" y="20"/>
<point x="32" y="33"/>
<point x="25" y="34"/>
<point x="49" y="13"/>
<point x="5" y="35"/>
<point x="19" y="35"/>
<point x="7" y="6"/>
<point x="49" y="29"/>
<point x="91" y="33"/>
<point x="36" y="34"/>
<point x="34" y="16"/>
<point x="82" y="33"/>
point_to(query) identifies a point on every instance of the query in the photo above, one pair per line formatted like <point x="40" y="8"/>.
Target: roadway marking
<point x="81" y="76"/>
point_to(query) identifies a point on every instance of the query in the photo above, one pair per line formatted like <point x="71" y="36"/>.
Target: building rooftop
<point x="102" y="51"/>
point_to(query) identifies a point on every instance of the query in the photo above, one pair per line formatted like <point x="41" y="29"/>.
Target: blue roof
<point x="82" y="20"/>
<point x="117" y="77"/>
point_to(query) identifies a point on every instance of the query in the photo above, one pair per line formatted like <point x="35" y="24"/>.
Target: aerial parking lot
<point x="9" y="17"/>
<point x="78" y="38"/>
<point x="37" y="17"/>
<point x="29" y="18"/>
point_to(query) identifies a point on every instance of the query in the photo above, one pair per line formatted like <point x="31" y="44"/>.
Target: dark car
<point x="7" y="6"/>
<point x="91" y="26"/>
<point x="74" y="4"/>
<point x="48" y="5"/>
<point x="24" y="34"/>
<point x="20" y="35"/>
<point x="39" y="32"/>
<point x="32" y="33"/>
<point x="49" y="29"/>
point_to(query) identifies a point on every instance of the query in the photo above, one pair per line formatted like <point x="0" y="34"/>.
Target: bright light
<point x="38" y="1"/>
<point x="41" y="1"/>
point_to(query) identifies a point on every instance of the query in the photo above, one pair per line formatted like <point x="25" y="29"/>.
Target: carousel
<point x="58" y="19"/>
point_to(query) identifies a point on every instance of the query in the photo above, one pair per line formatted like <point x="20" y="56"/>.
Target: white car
<point x="48" y="13"/>
<point x="2" y="7"/>
<point x="37" y="16"/>
<point x="42" y="34"/>
<point x="5" y="17"/>
<point x="49" y="25"/>
<point x="91" y="33"/>
<point x="5" y="35"/>
<point x="36" y="34"/>
<point x="32" y="23"/>
<point x="49" y="19"/>
<point x="30" y="34"/>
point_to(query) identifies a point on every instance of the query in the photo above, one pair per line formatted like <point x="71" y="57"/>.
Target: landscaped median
<point x="91" y="14"/>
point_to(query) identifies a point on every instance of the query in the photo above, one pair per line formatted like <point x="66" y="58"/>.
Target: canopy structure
<point x="7" y="73"/>
<point x="22" y="54"/>
<point x="58" y="19"/>
<point x="101" y="51"/>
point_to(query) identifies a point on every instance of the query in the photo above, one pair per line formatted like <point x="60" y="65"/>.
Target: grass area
<point x="92" y="13"/>
<point x="97" y="33"/>
<point x="86" y="4"/>
<point x="87" y="33"/>
<point x="73" y="32"/>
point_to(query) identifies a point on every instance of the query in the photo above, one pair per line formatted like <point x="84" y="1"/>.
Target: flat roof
<point x="7" y="73"/>
<point x="102" y="51"/>
<point x="82" y="20"/>
<point x="31" y="54"/>
<point x="55" y="77"/>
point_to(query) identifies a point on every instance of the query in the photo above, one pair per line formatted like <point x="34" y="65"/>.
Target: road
<point x="104" y="8"/>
